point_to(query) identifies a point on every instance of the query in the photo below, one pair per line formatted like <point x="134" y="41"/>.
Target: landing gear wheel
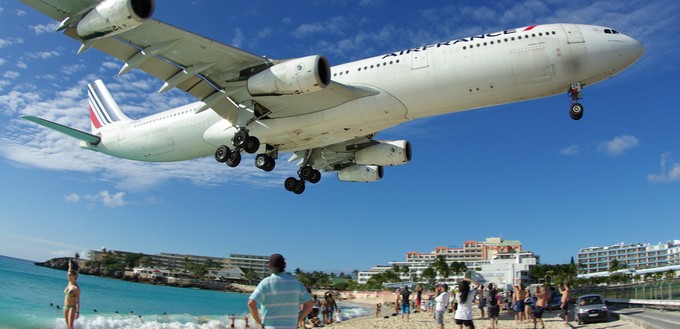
<point x="222" y="154"/>
<point x="299" y="188"/>
<point x="316" y="177"/>
<point x="306" y="173"/>
<point x="291" y="184"/>
<point x="265" y="162"/>
<point x="240" y="138"/>
<point x="251" y="145"/>
<point x="576" y="111"/>
<point x="234" y="160"/>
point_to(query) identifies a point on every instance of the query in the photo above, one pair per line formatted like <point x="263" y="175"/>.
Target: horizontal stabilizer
<point x="75" y="133"/>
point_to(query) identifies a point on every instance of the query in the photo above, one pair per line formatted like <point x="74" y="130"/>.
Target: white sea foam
<point x="177" y="321"/>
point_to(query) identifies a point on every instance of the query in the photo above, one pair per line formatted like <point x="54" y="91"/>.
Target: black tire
<point x="290" y="183"/>
<point x="316" y="177"/>
<point x="300" y="188"/>
<point x="222" y="154"/>
<point x="261" y="161"/>
<point x="234" y="160"/>
<point x="306" y="172"/>
<point x="240" y="138"/>
<point x="251" y="145"/>
<point x="576" y="111"/>
<point x="270" y="165"/>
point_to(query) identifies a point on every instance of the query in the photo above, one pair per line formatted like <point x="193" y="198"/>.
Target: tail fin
<point x="103" y="108"/>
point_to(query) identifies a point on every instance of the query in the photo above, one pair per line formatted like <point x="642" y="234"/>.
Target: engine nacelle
<point x="295" y="76"/>
<point x="111" y="17"/>
<point x="385" y="153"/>
<point x="360" y="173"/>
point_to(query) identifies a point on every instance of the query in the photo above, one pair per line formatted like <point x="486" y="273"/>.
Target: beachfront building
<point x="241" y="263"/>
<point x="502" y="261"/>
<point x="635" y="256"/>
<point x="258" y="264"/>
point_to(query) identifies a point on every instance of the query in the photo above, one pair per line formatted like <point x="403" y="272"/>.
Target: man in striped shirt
<point x="280" y="296"/>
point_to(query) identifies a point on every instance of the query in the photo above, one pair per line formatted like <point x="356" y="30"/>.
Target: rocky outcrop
<point x="95" y="269"/>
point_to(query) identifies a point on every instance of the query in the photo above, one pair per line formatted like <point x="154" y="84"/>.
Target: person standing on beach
<point x="280" y="296"/>
<point x="71" y="297"/>
<point x="540" y="306"/>
<point x="419" y="297"/>
<point x="465" y="297"/>
<point x="518" y="302"/>
<point x="405" y="303"/>
<point x="494" y="309"/>
<point x="482" y="301"/>
<point x="565" y="303"/>
<point x="441" y="304"/>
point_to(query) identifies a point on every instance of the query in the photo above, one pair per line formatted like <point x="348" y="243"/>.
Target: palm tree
<point x="405" y="270"/>
<point x="670" y="274"/>
<point x="430" y="275"/>
<point x="442" y="267"/>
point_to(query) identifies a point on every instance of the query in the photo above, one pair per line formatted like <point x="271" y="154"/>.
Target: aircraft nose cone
<point x="638" y="48"/>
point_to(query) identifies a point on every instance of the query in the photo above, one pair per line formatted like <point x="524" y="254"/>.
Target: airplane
<point x="327" y="117"/>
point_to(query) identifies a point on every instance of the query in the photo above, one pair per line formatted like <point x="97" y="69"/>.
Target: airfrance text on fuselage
<point x="453" y="42"/>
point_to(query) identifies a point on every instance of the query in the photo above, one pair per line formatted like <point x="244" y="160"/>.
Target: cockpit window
<point x="610" y="31"/>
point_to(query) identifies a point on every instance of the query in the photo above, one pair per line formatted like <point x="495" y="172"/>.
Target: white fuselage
<point x="468" y="73"/>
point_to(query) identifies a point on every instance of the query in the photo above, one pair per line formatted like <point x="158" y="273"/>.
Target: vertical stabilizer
<point x="103" y="108"/>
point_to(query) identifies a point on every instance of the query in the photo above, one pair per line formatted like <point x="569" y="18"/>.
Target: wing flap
<point x="75" y="133"/>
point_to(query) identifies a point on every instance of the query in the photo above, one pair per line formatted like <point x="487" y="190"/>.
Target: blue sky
<point x="522" y="171"/>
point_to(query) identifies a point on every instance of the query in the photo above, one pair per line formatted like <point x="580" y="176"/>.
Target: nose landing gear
<point x="576" y="109"/>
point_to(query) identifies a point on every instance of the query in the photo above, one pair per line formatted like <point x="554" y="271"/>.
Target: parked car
<point x="590" y="308"/>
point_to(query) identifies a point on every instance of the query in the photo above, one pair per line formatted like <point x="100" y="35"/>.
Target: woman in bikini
<point x="71" y="298"/>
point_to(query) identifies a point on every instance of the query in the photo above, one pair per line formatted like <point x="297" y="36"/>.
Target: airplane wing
<point x="75" y="133"/>
<point x="213" y="72"/>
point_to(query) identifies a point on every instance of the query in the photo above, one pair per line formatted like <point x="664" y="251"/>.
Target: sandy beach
<point x="425" y="320"/>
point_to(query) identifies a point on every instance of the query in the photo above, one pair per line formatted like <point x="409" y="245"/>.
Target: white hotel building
<point x="636" y="256"/>
<point x="494" y="260"/>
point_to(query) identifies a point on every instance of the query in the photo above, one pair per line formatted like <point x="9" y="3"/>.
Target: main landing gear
<point x="247" y="143"/>
<point x="576" y="109"/>
<point x="306" y="174"/>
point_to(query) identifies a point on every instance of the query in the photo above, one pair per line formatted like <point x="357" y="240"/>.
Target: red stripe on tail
<point x="530" y="28"/>
<point x="94" y="120"/>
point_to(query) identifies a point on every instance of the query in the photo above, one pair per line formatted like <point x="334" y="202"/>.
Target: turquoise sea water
<point x="26" y="291"/>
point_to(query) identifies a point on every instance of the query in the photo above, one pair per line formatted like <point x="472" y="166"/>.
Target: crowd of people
<point x="527" y="306"/>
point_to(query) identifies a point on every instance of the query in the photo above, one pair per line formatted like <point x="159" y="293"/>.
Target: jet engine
<point x="360" y="173"/>
<point x="111" y="17"/>
<point x="295" y="76"/>
<point x="385" y="153"/>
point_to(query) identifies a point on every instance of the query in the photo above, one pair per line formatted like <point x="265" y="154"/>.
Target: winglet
<point x="75" y="133"/>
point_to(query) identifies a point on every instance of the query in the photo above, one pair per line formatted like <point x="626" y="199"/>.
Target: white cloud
<point x="22" y="65"/>
<point x="11" y="75"/>
<point x="570" y="150"/>
<point x="75" y="198"/>
<point x="618" y="146"/>
<point x="44" y="28"/>
<point x="21" y="13"/>
<point x="71" y="69"/>
<point x="43" y="54"/>
<point x="237" y="39"/>
<point x="109" y="200"/>
<point x="10" y="41"/>
<point x="669" y="171"/>
<point x="2" y="61"/>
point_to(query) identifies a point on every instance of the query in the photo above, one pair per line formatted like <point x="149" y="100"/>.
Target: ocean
<point x="26" y="291"/>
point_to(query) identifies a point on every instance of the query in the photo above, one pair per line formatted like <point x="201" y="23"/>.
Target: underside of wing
<point x="358" y="160"/>
<point x="223" y="77"/>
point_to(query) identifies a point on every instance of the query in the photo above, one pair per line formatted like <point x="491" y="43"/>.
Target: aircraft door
<point x="573" y="33"/>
